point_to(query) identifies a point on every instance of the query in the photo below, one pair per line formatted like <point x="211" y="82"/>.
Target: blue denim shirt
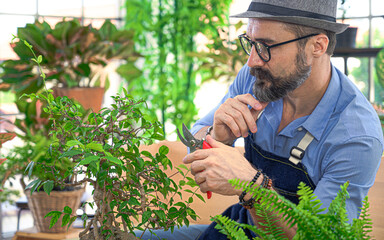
<point x="348" y="140"/>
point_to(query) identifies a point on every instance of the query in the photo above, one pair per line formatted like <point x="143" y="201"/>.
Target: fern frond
<point x="273" y="202"/>
<point x="338" y="206"/>
<point x="271" y="230"/>
<point x="363" y="226"/>
<point x="229" y="227"/>
<point x="308" y="200"/>
<point x="307" y="215"/>
<point x="337" y="217"/>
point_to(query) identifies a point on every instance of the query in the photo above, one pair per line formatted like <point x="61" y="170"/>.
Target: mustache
<point x="260" y="73"/>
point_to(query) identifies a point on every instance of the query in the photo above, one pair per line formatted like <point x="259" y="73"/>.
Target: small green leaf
<point x="160" y="214"/>
<point x="27" y="44"/>
<point x="200" y="197"/>
<point x="183" y="166"/>
<point x="146" y="216"/>
<point x="55" y="217"/>
<point x="35" y="186"/>
<point x="95" y="146"/>
<point x="52" y="213"/>
<point x="72" y="143"/>
<point x="89" y="159"/>
<point x="114" y="160"/>
<point x="164" y="150"/>
<point x="32" y="183"/>
<point x="67" y="210"/>
<point x="133" y="201"/>
<point x="71" y="153"/>
<point x="29" y="168"/>
<point x="48" y="186"/>
<point x="65" y="220"/>
<point x="71" y="221"/>
<point x="39" y="59"/>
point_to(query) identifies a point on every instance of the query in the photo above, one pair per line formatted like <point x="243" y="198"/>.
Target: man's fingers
<point x="250" y="100"/>
<point x="197" y="167"/>
<point x="213" y="143"/>
<point x="195" y="156"/>
<point x="244" y="117"/>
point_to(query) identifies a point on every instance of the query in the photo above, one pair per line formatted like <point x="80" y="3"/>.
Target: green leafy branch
<point x="129" y="184"/>
<point x="311" y="220"/>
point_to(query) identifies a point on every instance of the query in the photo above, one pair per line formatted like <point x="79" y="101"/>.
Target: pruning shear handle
<point x="190" y="141"/>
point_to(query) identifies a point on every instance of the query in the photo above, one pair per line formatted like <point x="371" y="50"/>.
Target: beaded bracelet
<point x="249" y="203"/>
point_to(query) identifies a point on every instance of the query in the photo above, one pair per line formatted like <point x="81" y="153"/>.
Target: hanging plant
<point x="166" y="35"/>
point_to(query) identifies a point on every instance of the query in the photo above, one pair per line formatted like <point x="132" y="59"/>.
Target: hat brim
<point x="316" y="23"/>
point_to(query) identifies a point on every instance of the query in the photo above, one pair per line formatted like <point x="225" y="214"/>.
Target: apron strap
<point x="297" y="152"/>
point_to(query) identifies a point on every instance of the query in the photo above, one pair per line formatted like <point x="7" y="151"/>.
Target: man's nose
<point x="254" y="59"/>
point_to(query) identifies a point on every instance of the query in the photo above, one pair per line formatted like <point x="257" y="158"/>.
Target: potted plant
<point x="33" y="130"/>
<point x="311" y="220"/>
<point x="346" y="39"/>
<point x="131" y="189"/>
<point x="74" y="59"/>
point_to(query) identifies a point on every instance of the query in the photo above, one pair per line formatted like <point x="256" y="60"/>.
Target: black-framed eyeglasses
<point x="262" y="49"/>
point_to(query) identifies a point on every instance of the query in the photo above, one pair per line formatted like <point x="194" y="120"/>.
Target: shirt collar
<point x="318" y="120"/>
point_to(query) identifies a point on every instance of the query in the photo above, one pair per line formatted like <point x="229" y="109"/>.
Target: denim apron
<point x="286" y="174"/>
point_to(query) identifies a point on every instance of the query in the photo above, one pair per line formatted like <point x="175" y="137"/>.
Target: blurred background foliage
<point x="167" y="35"/>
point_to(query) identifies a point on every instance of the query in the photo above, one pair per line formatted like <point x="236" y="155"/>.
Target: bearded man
<point x="301" y="118"/>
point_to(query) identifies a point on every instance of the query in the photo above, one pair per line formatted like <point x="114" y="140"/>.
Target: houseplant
<point x="75" y="58"/>
<point x="311" y="220"/>
<point x="33" y="130"/>
<point x="128" y="184"/>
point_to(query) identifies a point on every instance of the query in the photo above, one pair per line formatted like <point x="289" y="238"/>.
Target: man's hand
<point x="213" y="168"/>
<point x="234" y="118"/>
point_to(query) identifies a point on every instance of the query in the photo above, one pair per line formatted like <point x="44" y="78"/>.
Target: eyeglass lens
<point x="260" y="48"/>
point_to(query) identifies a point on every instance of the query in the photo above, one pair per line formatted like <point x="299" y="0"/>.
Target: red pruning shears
<point x="190" y="141"/>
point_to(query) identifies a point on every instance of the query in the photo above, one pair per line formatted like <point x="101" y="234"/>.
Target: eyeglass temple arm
<point x="294" y="40"/>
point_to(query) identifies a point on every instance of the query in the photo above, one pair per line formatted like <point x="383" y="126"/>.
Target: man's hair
<point x="300" y="31"/>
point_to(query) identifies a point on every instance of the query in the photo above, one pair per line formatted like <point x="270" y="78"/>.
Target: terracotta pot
<point x="41" y="204"/>
<point x="87" y="97"/>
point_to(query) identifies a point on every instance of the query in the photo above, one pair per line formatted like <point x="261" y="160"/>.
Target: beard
<point x="269" y="89"/>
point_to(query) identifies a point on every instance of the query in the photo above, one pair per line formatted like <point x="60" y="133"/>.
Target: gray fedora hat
<point x="313" y="13"/>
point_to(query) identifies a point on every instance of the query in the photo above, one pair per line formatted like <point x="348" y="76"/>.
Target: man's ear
<point x="320" y="45"/>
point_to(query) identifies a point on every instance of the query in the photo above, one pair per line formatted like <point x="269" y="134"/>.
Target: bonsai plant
<point x="74" y="57"/>
<point x="311" y="220"/>
<point x="128" y="184"/>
